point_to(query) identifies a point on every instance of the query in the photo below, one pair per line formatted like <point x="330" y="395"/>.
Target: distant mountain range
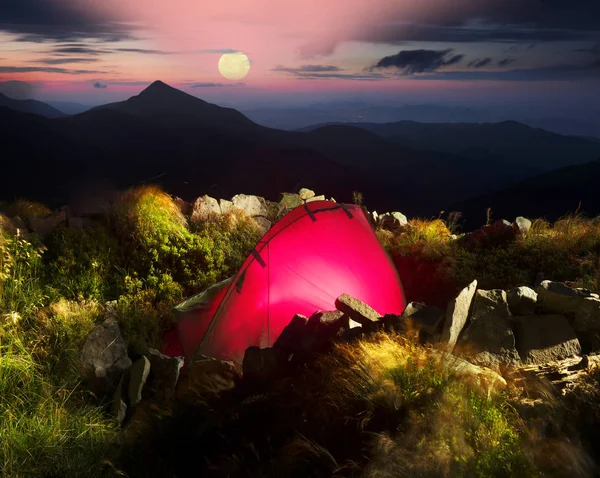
<point x="192" y="147"/>
<point x="30" y="106"/>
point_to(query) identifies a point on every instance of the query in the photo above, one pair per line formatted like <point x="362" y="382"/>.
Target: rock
<point x="206" y="379"/>
<point x="263" y="223"/>
<point x="457" y="315"/>
<point x="104" y="357"/>
<point x="306" y="194"/>
<point x="43" y="226"/>
<point x="290" y="201"/>
<point x="418" y="316"/>
<point x="523" y="225"/>
<point x="356" y="310"/>
<point x="185" y="207"/>
<point x="522" y="301"/>
<point x="484" y="377"/>
<point x="263" y="365"/>
<point x="225" y="206"/>
<point x="138" y="375"/>
<point x="204" y="207"/>
<point x="580" y="306"/>
<point x="389" y="322"/>
<point x="164" y="374"/>
<point x="322" y="328"/>
<point x="489" y="339"/>
<point x="251" y="205"/>
<point x="392" y="221"/>
<point x="290" y="339"/>
<point x="316" y="198"/>
<point x="546" y="338"/>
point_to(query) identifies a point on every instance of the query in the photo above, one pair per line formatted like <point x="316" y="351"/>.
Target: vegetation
<point x="384" y="407"/>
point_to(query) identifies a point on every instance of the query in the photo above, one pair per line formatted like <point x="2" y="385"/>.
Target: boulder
<point x="290" y="201"/>
<point x="316" y="198"/>
<point x="104" y="357"/>
<point x="489" y="339"/>
<point x="421" y="317"/>
<point x="522" y="301"/>
<point x="43" y="226"/>
<point x="204" y="207"/>
<point x="264" y="365"/>
<point x="483" y="377"/>
<point x="164" y="374"/>
<point x="290" y="339"/>
<point x="322" y="329"/>
<point x="225" y="206"/>
<point x="205" y="379"/>
<point x="251" y="205"/>
<point x="545" y="338"/>
<point x="392" y="220"/>
<point x="138" y="374"/>
<point x="185" y="207"/>
<point x="457" y="315"/>
<point x="263" y="224"/>
<point x="357" y="310"/>
<point x="523" y="225"/>
<point x="580" y="306"/>
<point x="306" y="194"/>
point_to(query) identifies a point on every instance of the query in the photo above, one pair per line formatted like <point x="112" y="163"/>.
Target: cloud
<point x="216" y="85"/>
<point x="18" y="90"/>
<point x="32" y="69"/>
<point x="99" y="85"/>
<point x="221" y="51"/>
<point x="418" y="61"/>
<point x="63" y="61"/>
<point x="80" y="50"/>
<point x="593" y="50"/>
<point x="506" y="62"/>
<point x="143" y="51"/>
<point x="480" y="63"/>
<point x="307" y="69"/>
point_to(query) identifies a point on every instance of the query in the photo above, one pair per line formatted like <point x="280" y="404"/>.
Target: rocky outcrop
<point x="104" y="357"/>
<point x="545" y="338"/>
<point x="164" y="374"/>
<point x="424" y="320"/>
<point x="251" y="205"/>
<point x="204" y="207"/>
<point x="264" y="365"/>
<point x="522" y="300"/>
<point x="138" y="374"/>
<point x="225" y="205"/>
<point x="580" y="306"/>
<point x="488" y="339"/>
<point x="457" y="315"/>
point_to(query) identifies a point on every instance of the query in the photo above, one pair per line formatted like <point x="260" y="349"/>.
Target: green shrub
<point x="82" y="264"/>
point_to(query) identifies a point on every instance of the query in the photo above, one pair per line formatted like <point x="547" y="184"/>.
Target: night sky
<point x="469" y="52"/>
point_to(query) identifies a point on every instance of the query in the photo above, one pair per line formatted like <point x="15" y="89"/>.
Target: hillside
<point x="86" y="308"/>
<point x="30" y="106"/>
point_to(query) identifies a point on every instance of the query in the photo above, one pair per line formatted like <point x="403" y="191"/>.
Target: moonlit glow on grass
<point x="234" y="66"/>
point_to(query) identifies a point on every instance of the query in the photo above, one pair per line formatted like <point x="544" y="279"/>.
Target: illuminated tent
<point x="314" y="254"/>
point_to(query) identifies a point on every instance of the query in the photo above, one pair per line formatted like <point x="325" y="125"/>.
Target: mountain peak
<point x="158" y="87"/>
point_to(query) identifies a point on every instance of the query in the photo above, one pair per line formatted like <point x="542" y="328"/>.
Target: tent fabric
<point x="314" y="254"/>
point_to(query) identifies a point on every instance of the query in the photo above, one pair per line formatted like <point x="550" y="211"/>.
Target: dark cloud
<point x="31" y="69"/>
<point x="215" y="85"/>
<point x="100" y="86"/>
<point x="80" y="50"/>
<point x="51" y="20"/>
<point x="63" y="61"/>
<point x="221" y="51"/>
<point x="342" y="76"/>
<point x="506" y="62"/>
<point x="418" y="61"/>
<point x="480" y="63"/>
<point x="18" y="90"/>
<point x="143" y="51"/>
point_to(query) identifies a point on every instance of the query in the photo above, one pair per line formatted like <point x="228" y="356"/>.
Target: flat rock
<point x="316" y="198"/>
<point x="422" y="317"/>
<point x="251" y="205"/>
<point x="357" y="310"/>
<point x="164" y="373"/>
<point x="204" y="207"/>
<point x="104" y="357"/>
<point x="545" y="338"/>
<point x="580" y="306"/>
<point x="522" y="300"/>
<point x="489" y="340"/>
<point x="457" y="315"/>
<point x="137" y="379"/>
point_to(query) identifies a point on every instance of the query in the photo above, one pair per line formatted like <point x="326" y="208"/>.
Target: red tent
<point x="314" y="254"/>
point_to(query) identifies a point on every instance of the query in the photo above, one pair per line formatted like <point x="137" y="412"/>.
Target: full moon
<point x="234" y="66"/>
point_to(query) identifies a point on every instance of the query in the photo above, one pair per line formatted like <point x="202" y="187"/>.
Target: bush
<point x="26" y="209"/>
